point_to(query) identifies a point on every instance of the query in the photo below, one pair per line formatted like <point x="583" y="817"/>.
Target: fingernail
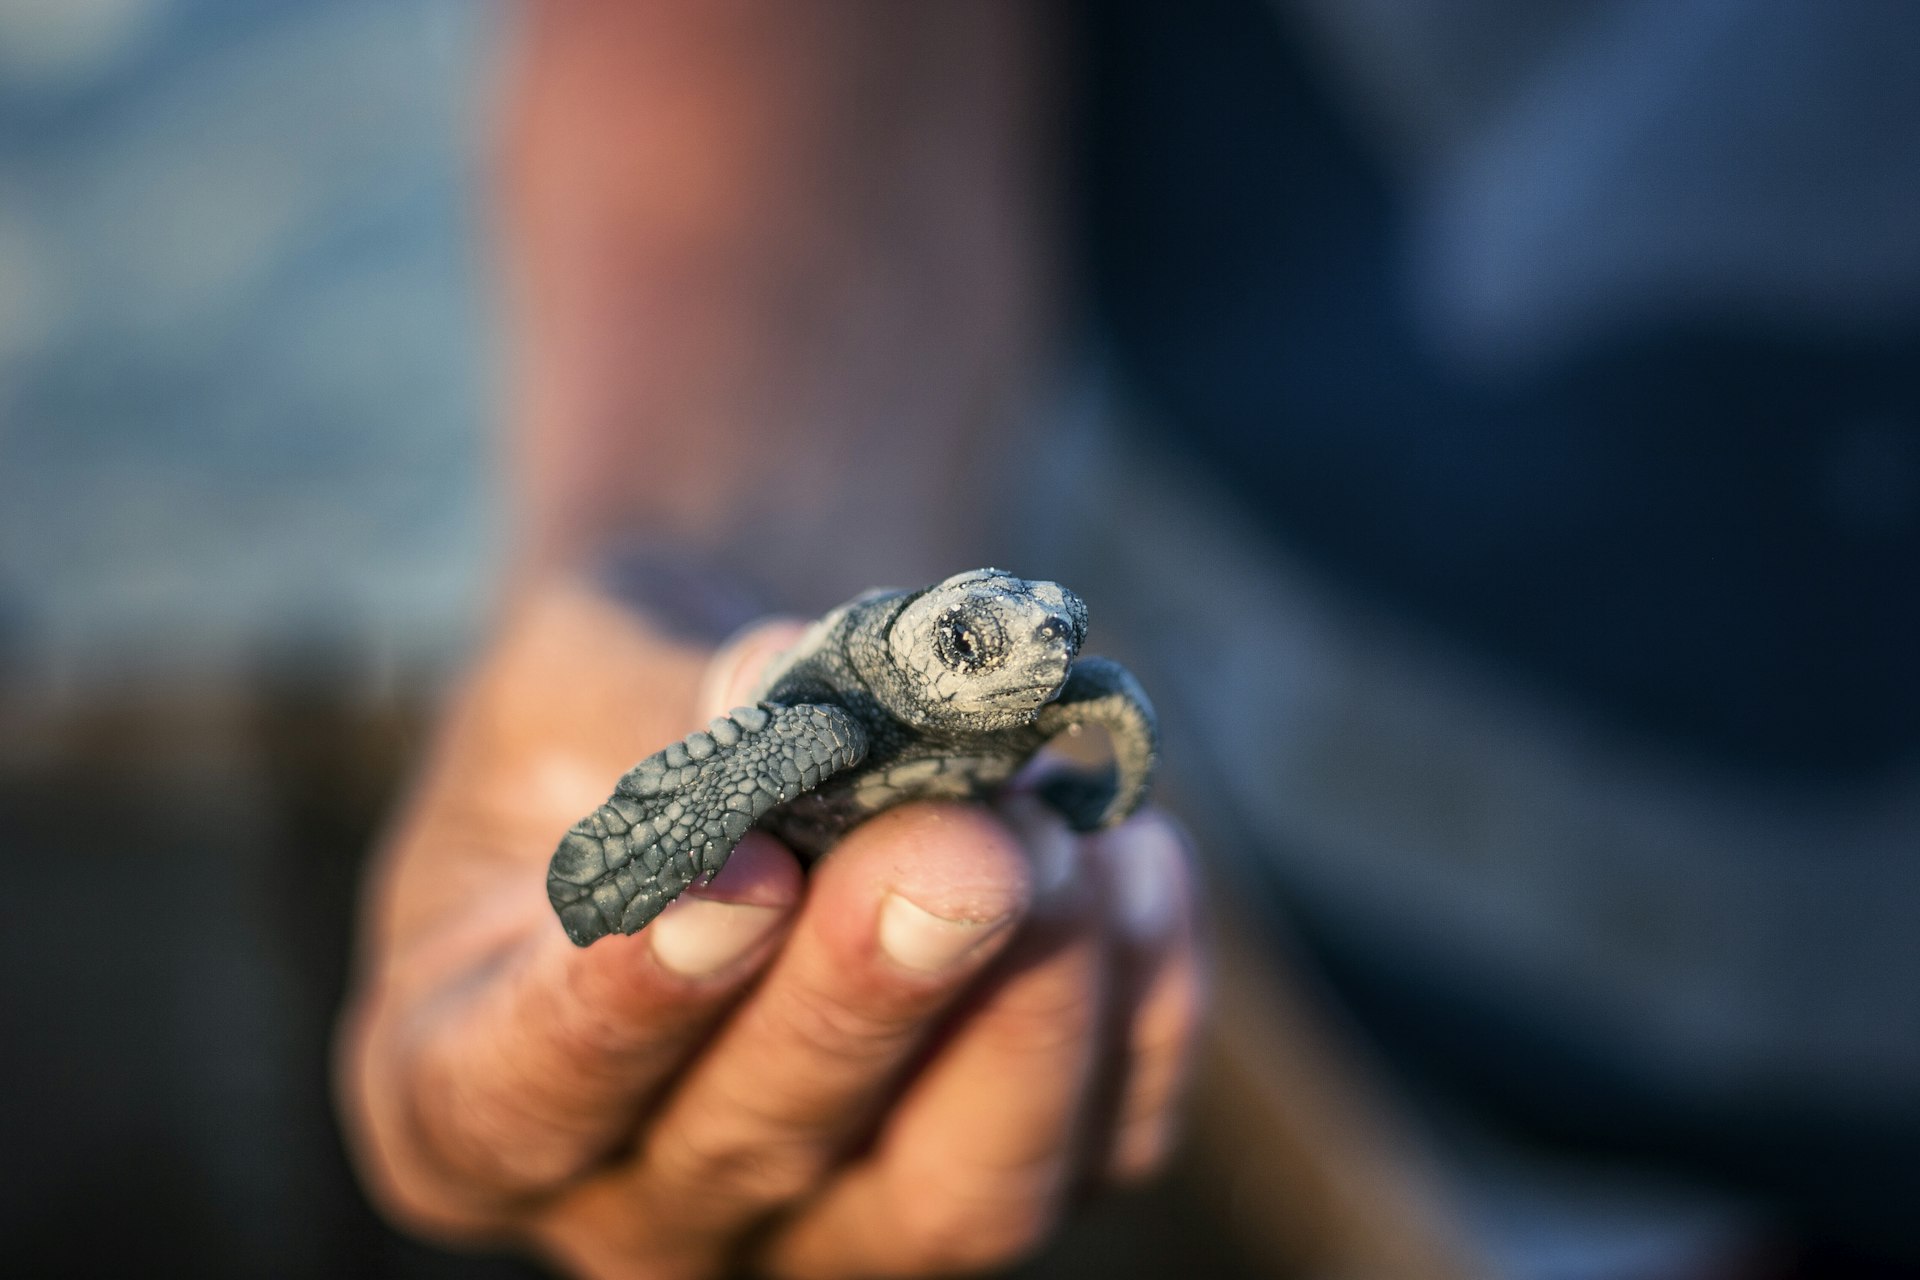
<point x="698" y="937"/>
<point x="1142" y="858"/>
<point x="1048" y="842"/>
<point x="915" y="938"/>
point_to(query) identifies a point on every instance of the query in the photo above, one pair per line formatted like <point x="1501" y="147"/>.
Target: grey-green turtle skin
<point x="935" y="694"/>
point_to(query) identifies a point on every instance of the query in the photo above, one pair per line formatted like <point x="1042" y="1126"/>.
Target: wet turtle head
<point x="983" y="650"/>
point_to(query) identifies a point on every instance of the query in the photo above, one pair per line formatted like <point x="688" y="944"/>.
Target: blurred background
<point x="242" y="358"/>
<point x="246" y="526"/>
<point x="1594" y="529"/>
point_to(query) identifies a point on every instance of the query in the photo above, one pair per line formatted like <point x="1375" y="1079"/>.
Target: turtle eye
<point x="968" y="640"/>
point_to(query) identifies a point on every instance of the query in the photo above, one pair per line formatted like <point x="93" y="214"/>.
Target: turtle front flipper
<point x="677" y="815"/>
<point x="1101" y="692"/>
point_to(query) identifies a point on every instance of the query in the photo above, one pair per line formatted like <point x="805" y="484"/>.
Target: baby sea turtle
<point x="898" y="695"/>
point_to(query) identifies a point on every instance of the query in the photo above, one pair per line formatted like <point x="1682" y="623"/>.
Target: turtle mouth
<point x="1036" y="694"/>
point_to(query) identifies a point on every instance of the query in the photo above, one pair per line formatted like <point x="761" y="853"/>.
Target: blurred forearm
<point x="770" y="261"/>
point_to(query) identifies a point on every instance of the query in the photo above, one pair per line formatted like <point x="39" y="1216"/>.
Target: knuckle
<point x="1143" y="1146"/>
<point x="476" y="1136"/>
<point x="825" y="1025"/>
<point x="1050" y="1018"/>
<point x="423" y="1207"/>
<point x="1153" y="1090"/>
<point x="947" y="1235"/>
<point x="1166" y="1021"/>
<point x="752" y="1162"/>
<point x="410" y="1186"/>
<point x="406" y="1180"/>
<point x="1167" y="1029"/>
<point x="1162" y="1059"/>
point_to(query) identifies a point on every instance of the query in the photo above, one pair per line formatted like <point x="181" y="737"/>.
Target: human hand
<point x="905" y="1063"/>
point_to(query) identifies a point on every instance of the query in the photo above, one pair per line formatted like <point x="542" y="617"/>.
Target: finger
<point x="636" y="1006"/>
<point x="1163" y="993"/>
<point x="976" y="1159"/>
<point x="734" y="673"/>
<point x="904" y="914"/>
<point x="545" y="1063"/>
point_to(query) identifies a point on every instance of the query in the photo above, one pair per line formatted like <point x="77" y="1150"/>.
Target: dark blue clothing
<point x="1692" y="516"/>
<point x="1707" y="526"/>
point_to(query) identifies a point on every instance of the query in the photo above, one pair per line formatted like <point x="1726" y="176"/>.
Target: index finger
<point x="541" y="1058"/>
<point x="539" y="1064"/>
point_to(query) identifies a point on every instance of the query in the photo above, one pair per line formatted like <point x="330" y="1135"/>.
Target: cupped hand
<point x="906" y="1062"/>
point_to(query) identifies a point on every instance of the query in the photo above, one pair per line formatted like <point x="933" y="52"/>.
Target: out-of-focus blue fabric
<point x="241" y="401"/>
<point x="1580" y="342"/>
<point x="1590" y="331"/>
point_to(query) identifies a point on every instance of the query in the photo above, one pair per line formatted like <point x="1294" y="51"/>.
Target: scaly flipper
<point x="1102" y="692"/>
<point x="674" y="818"/>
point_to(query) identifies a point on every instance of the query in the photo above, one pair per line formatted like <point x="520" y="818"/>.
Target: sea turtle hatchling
<point x="898" y="695"/>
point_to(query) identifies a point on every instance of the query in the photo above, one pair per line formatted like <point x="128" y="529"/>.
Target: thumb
<point x="734" y="673"/>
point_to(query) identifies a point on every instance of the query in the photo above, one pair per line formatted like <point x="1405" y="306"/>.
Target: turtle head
<point x="983" y="650"/>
